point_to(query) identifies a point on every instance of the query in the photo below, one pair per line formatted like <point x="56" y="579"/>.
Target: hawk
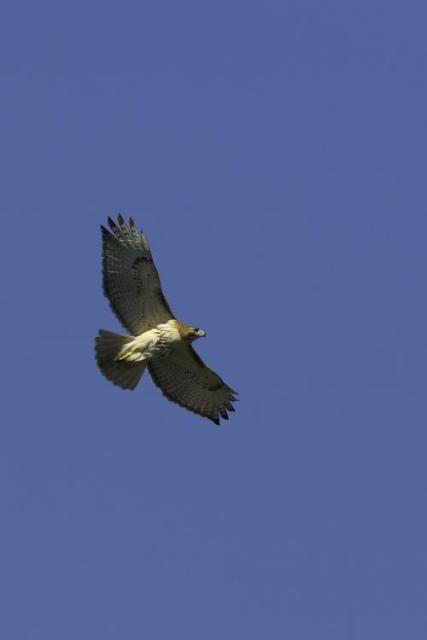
<point x="157" y="340"/>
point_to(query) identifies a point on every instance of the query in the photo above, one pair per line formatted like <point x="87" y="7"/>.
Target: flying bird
<point x="157" y="340"/>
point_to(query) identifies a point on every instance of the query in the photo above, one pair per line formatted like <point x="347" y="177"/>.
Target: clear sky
<point x="275" y="153"/>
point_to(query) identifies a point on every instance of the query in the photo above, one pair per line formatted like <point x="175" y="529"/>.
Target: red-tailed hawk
<point x="158" y="340"/>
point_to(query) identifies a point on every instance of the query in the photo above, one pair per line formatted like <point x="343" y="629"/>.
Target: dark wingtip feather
<point x="112" y="224"/>
<point x="215" y="420"/>
<point x="120" y="220"/>
<point x="224" y="414"/>
<point x="131" y="223"/>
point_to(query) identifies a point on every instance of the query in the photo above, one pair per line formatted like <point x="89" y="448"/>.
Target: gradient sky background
<point x="275" y="155"/>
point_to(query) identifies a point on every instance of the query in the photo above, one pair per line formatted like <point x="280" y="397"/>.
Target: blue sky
<point x="275" y="155"/>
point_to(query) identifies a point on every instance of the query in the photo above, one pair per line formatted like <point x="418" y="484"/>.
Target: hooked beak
<point x="200" y="333"/>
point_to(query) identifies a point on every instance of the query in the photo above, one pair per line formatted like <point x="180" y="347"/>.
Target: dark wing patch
<point x="183" y="378"/>
<point x="130" y="279"/>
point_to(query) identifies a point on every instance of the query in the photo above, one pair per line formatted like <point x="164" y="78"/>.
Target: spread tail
<point x="107" y="348"/>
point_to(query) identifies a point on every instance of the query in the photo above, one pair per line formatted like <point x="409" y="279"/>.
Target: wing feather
<point x="183" y="378"/>
<point x="130" y="279"/>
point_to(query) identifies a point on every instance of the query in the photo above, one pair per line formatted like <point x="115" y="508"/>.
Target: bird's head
<point x="189" y="333"/>
<point x="194" y="333"/>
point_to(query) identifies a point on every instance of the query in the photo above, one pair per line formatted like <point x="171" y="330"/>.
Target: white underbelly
<point x="156" y="341"/>
<point x="141" y="348"/>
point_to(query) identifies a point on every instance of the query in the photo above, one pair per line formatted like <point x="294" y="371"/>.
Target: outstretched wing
<point x="184" y="378"/>
<point x="130" y="279"/>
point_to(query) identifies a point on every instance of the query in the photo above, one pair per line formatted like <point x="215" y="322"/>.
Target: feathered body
<point x="154" y="342"/>
<point x="158" y="340"/>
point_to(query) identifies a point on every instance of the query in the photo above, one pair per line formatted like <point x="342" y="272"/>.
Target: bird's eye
<point x="196" y="329"/>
